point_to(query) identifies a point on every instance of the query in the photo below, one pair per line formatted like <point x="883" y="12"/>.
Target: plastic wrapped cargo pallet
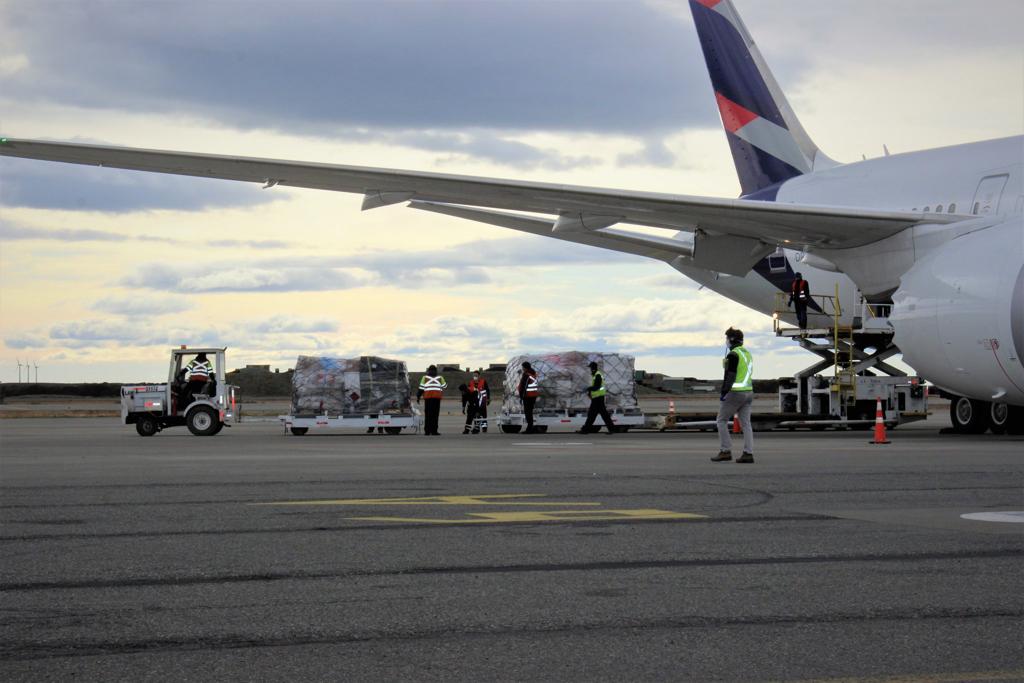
<point x="350" y="386"/>
<point x="564" y="376"/>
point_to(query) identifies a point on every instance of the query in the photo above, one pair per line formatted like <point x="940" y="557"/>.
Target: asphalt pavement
<point x="256" y="555"/>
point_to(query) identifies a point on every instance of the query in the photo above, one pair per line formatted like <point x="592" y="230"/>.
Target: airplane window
<point x="975" y="211"/>
<point x="952" y="208"/>
<point x="938" y="208"/>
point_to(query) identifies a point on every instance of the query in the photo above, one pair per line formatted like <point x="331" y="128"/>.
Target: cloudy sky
<point x="101" y="271"/>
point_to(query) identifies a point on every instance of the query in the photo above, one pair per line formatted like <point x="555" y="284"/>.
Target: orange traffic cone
<point x="736" y="424"/>
<point x="879" y="424"/>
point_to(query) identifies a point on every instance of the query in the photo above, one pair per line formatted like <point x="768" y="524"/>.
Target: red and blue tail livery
<point x="769" y="146"/>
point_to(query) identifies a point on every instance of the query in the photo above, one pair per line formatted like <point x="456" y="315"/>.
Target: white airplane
<point x="938" y="234"/>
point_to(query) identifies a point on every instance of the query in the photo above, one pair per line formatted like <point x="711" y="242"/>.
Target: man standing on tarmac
<point x="597" y="392"/>
<point x="737" y="398"/>
<point x="529" y="390"/>
<point x="482" y="394"/>
<point x="432" y="386"/>
<point x="800" y="294"/>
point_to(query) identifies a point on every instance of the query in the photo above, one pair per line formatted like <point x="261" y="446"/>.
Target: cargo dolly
<point x="513" y="423"/>
<point x="389" y="423"/>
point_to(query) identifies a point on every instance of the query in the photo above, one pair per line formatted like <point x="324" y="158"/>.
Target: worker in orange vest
<point x="476" y="399"/>
<point x="800" y="294"/>
<point x="529" y="390"/>
<point x="432" y="386"/>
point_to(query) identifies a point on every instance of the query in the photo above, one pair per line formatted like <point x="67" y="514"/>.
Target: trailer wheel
<point x="146" y="425"/>
<point x="393" y="430"/>
<point x="299" y="431"/>
<point x="999" y="418"/>
<point x="968" y="416"/>
<point x="202" y="421"/>
<point x="511" y="429"/>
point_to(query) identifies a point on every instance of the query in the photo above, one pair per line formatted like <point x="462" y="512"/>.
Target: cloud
<point x="26" y="341"/>
<point x="490" y="146"/>
<point x="250" y="244"/>
<point x="148" y="305"/>
<point x="282" y="324"/>
<point x="10" y="231"/>
<point x="500" y="65"/>
<point x="465" y="264"/>
<point x="45" y="185"/>
<point x="234" y="278"/>
<point x="653" y="153"/>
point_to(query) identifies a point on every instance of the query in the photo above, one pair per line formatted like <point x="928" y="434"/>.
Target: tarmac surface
<point x="255" y="555"/>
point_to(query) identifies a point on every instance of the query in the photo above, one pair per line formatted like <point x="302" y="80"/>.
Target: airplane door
<point x="990" y="190"/>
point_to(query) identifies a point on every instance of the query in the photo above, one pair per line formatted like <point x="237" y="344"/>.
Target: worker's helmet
<point x="734" y="336"/>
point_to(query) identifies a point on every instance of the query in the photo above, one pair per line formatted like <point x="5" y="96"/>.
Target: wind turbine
<point x="37" y="371"/>
<point x="19" y="370"/>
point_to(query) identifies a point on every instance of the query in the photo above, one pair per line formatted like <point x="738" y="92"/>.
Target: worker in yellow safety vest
<point x="432" y="386"/>
<point x="597" y="391"/>
<point x="737" y="398"/>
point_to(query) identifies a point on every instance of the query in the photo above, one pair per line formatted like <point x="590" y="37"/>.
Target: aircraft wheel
<point x="146" y="425"/>
<point x="220" y="426"/>
<point x="202" y="421"/>
<point x="511" y="429"/>
<point x="968" y="415"/>
<point x="299" y="431"/>
<point x="999" y="418"/>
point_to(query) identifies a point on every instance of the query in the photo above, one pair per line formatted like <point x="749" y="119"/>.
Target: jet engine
<point x="958" y="317"/>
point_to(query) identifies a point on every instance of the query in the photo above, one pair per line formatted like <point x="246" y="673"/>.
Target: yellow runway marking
<point x="503" y="499"/>
<point x="551" y="516"/>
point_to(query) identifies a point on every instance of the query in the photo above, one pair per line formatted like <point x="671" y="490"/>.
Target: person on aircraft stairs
<point x="800" y="294"/>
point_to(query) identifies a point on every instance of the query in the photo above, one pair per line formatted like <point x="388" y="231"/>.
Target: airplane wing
<point x="724" y="228"/>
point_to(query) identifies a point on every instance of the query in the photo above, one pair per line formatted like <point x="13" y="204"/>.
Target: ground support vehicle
<point x="904" y="399"/>
<point x="299" y="425"/>
<point x="513" y="423"/>
<point x="205" y="410"/>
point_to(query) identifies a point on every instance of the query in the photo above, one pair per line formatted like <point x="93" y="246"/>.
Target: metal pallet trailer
<point x="299" y="425"/>
<point x="513" y="423"/>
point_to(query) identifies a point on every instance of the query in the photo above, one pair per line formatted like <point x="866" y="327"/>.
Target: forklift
<point x="205" y="407"/>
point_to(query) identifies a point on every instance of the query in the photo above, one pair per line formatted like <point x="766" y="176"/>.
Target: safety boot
<point x="722" y="456"/>
<point x="746" y="457"/>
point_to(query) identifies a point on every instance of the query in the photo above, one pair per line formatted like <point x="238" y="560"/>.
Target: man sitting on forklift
<point x="198" y="373"/>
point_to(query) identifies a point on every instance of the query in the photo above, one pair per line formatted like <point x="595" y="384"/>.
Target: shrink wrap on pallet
<point x="564" y="377"/>
<point x="350" y="386"/>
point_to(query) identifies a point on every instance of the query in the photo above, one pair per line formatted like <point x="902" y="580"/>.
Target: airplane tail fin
<point x="768" y="143"/>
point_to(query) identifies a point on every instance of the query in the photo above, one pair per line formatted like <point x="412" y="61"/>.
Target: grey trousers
<point x="736" y="403"/>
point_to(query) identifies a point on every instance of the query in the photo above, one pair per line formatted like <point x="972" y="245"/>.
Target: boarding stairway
<point x="853" y="343"/>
